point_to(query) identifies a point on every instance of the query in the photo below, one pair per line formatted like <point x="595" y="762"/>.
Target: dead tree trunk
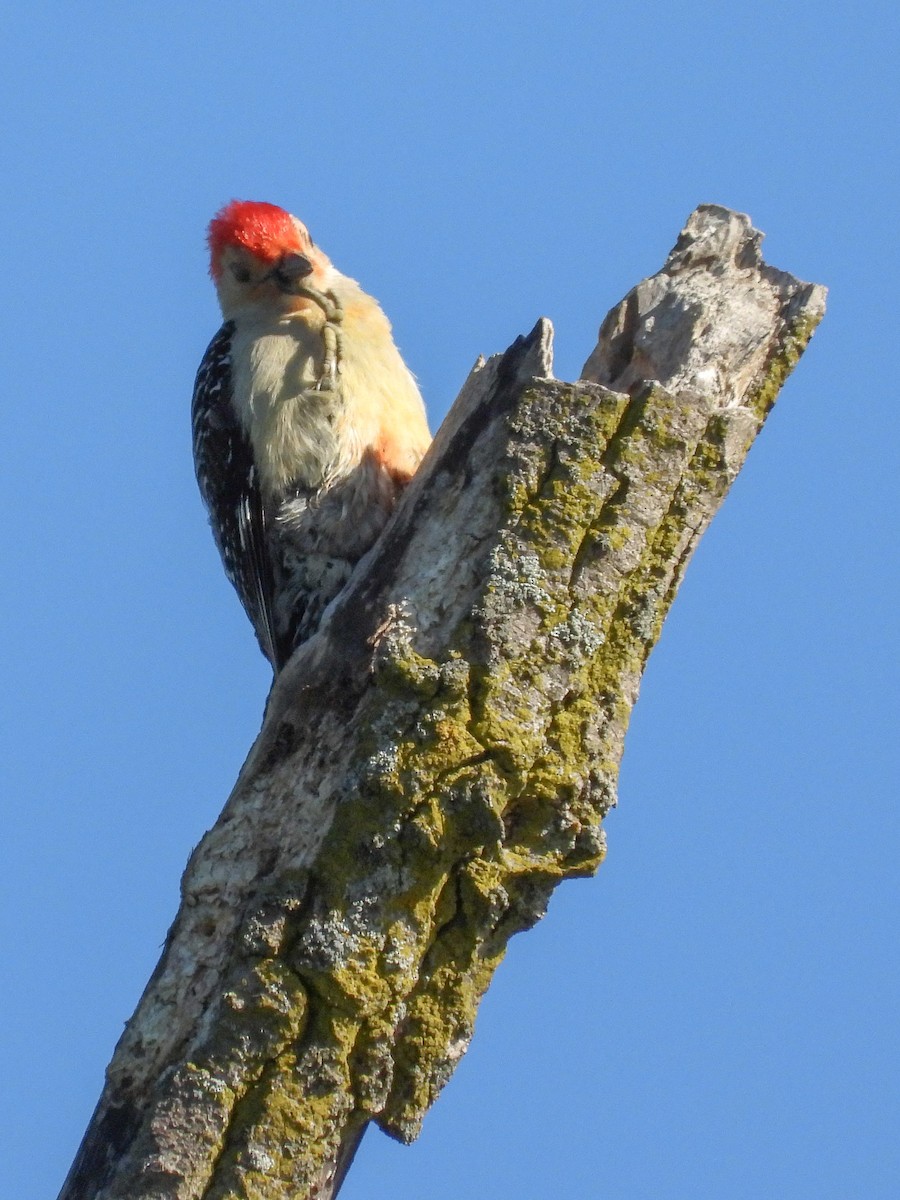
<point x="442" y="753"/>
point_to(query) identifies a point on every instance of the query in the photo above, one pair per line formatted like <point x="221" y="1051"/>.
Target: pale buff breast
<point x="294" y="428"/>
<point x="312" y="437"/>
<point x="384" y="405"/>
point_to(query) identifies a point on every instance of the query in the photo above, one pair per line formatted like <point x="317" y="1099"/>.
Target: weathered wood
<point x="441" y="754"/>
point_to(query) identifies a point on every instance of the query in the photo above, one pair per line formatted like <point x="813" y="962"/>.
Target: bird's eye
<point x="240" y="272"/>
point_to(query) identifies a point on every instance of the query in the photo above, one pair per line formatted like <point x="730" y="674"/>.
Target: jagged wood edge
<point x="339" y="925"/>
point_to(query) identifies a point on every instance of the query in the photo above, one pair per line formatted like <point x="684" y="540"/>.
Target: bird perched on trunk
<point x="307" y="423"/>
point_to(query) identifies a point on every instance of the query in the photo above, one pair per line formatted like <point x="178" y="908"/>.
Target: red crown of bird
<point x="265" y="230"/>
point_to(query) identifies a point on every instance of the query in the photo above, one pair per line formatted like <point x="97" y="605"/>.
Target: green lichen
<point x="483" y="778"/>
<point x="794" y="342"/>
<point x="285" y="1132"/>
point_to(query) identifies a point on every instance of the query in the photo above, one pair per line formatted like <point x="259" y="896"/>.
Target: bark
<point x="442" y="753"/>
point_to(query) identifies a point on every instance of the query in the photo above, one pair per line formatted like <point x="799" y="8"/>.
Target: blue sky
<point x="716" y="1013"/>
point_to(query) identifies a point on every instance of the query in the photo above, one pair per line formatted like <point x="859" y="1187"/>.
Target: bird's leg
<point x="332" y="335"/>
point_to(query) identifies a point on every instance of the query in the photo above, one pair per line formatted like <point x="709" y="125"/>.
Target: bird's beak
<point x="290" y="270"/>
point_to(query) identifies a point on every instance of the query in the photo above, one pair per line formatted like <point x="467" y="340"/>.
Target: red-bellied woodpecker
<point x="306" y="421"/>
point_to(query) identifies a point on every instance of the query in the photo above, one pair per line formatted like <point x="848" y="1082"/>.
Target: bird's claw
<point x="331" y="336"/>
<point x="333" y="343"/>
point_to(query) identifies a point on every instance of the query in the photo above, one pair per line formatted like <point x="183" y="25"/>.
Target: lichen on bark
<point x="442" y="753"/>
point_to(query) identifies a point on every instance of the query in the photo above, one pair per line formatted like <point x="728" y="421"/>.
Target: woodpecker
<point x="307" y="424"/>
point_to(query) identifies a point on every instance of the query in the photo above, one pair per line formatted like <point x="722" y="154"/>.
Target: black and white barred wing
<point x="226" y="473"/>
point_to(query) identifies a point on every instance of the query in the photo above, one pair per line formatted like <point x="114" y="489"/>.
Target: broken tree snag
<point x="441" y="754"/>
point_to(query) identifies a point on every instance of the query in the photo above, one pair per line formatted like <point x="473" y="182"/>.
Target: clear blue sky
<point x="715" y="1015"/>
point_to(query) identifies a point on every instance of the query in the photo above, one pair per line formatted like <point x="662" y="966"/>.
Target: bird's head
<point x="261" y="256"/>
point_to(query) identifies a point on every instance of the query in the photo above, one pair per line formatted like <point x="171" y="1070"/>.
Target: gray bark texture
<point x="441" y="754"/>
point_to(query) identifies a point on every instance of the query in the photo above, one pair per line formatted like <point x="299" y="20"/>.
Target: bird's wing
<point x="229" y="485"/>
